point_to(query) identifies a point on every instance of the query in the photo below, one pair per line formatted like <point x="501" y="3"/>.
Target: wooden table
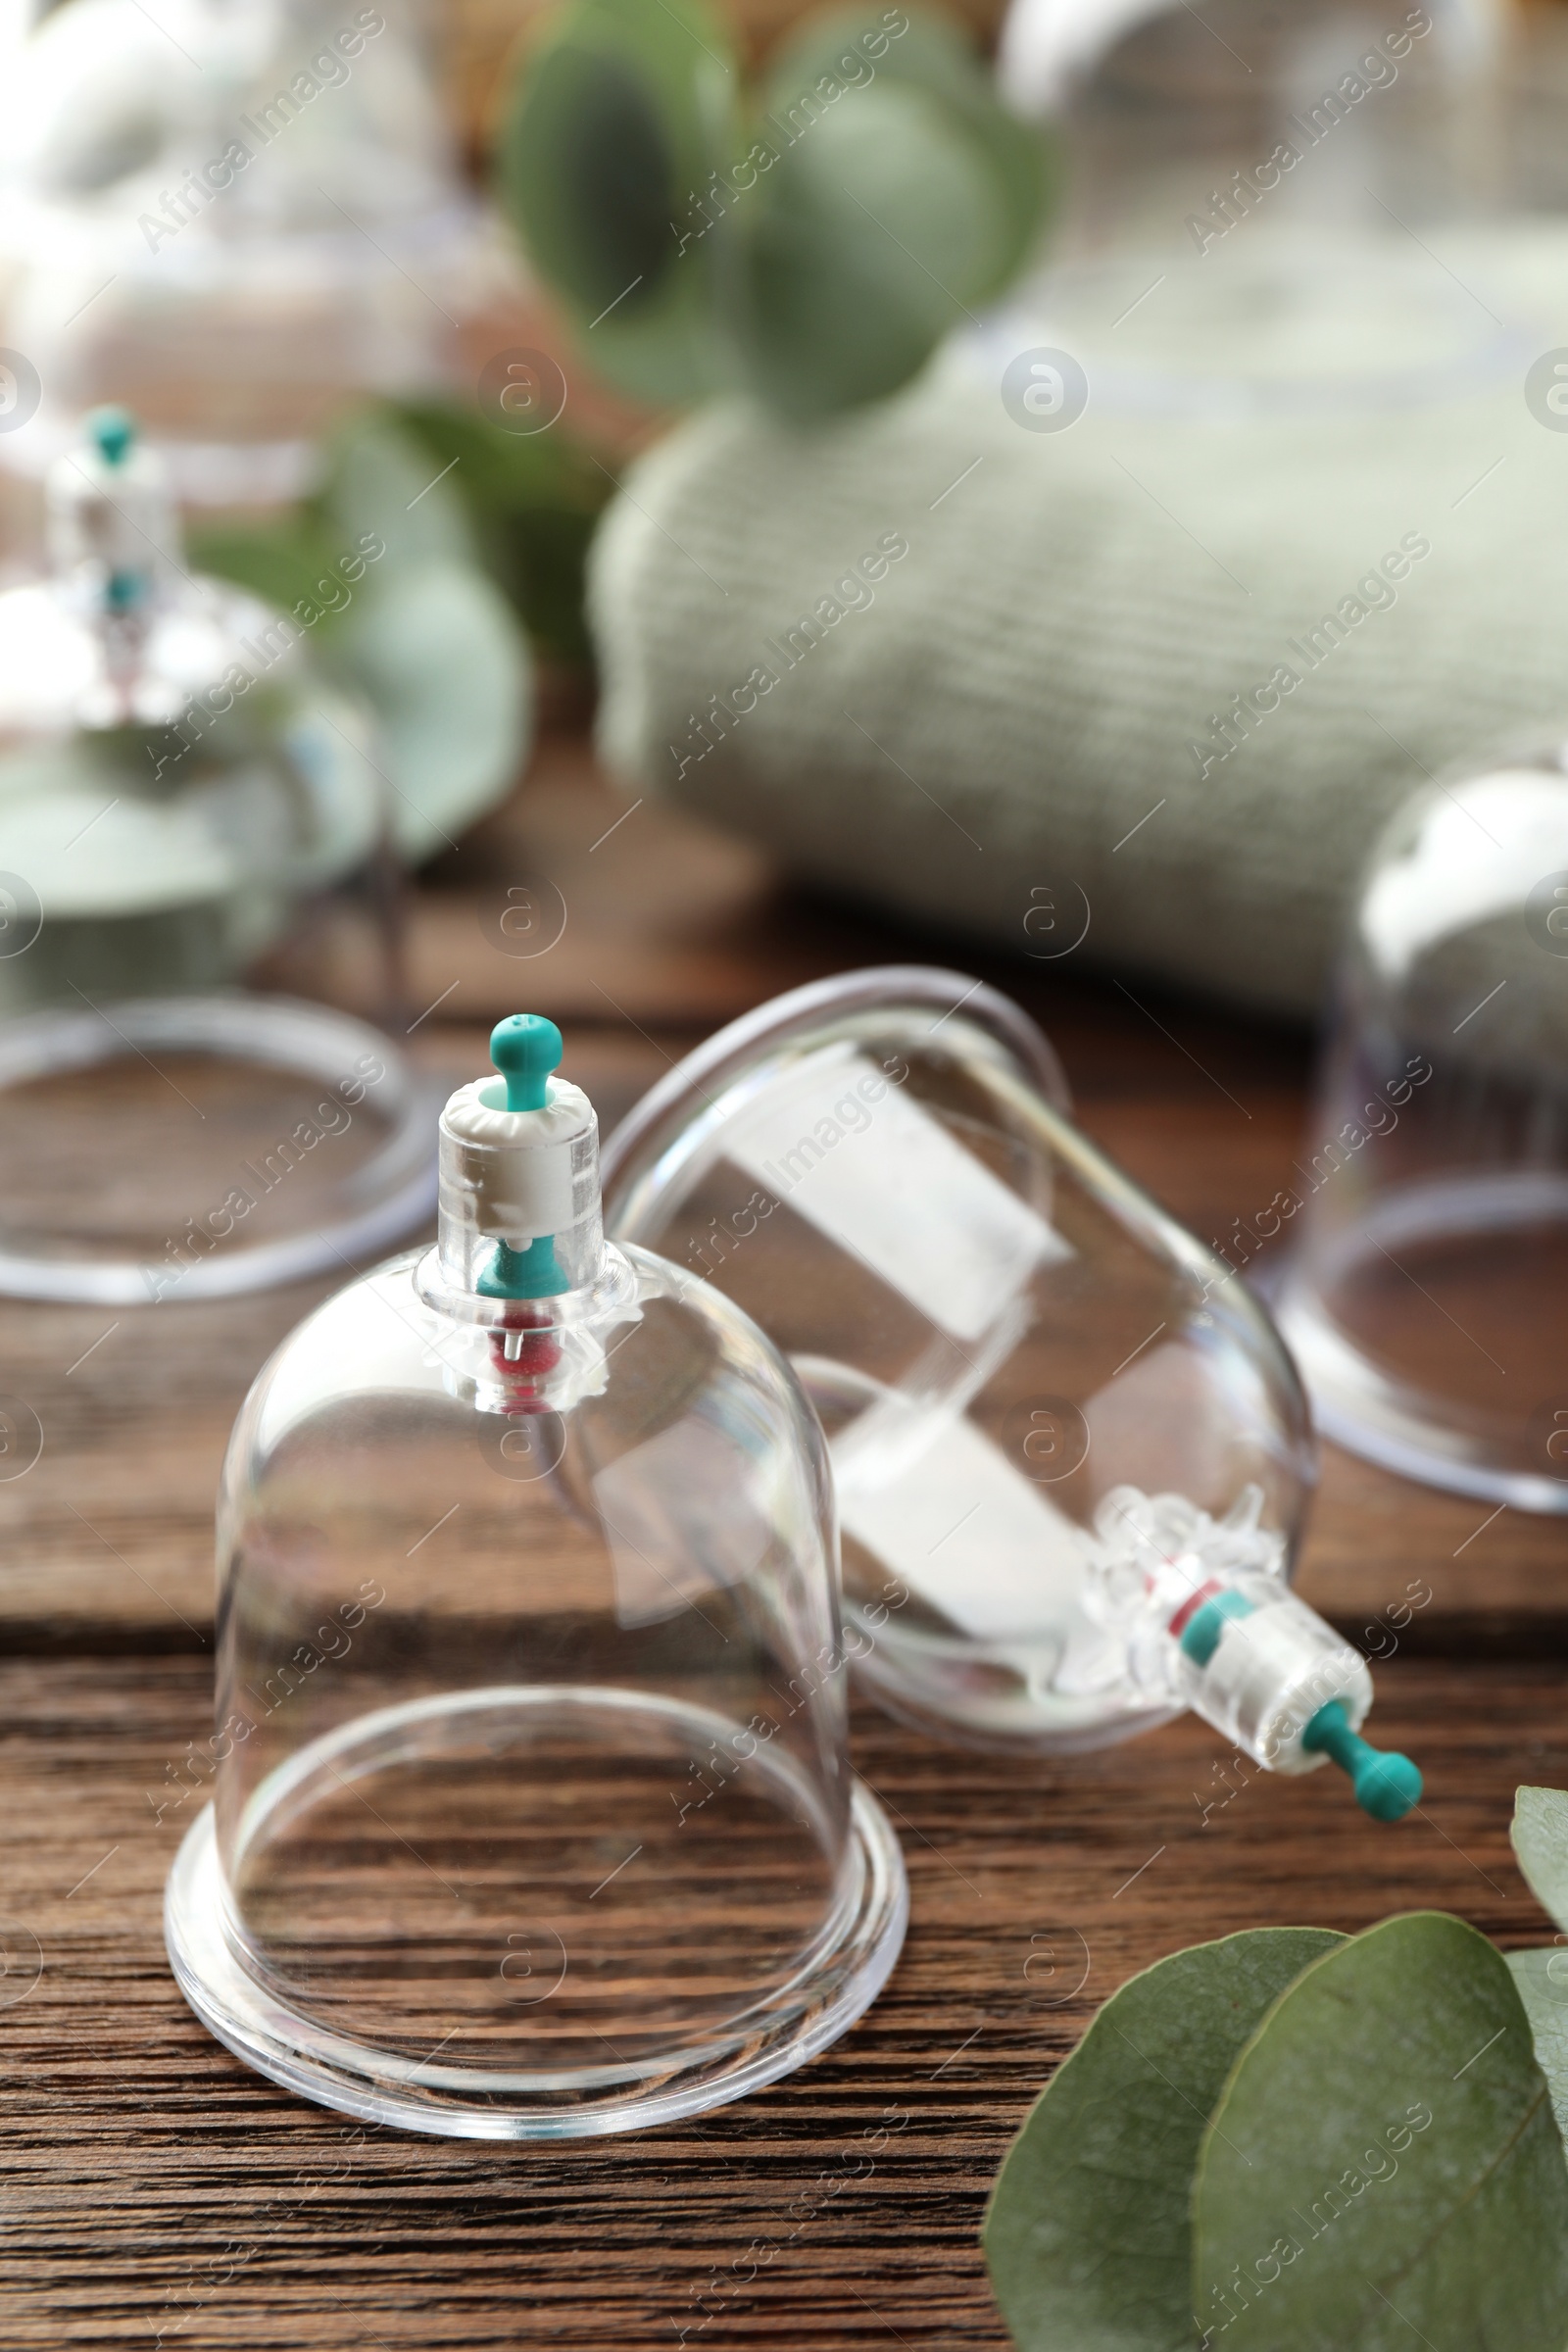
<point x="153" y="2191"/>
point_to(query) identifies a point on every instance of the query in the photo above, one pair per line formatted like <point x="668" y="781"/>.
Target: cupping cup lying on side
<point x="1062" y="1433"/>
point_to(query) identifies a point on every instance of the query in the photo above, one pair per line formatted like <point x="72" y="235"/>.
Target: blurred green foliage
<point x="808" y="243"/>
<point x="411" y="567"/>
<point x="523" y="507"/>
<point x="532" y="501"/>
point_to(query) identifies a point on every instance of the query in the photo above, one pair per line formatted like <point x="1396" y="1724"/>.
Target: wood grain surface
<point x="153" y="2191"/>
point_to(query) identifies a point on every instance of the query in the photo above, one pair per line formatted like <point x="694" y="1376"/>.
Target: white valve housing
<point x="521" y="1163"/>
<point x="518" y="1175"/>
<point x="1270" y="1672"/>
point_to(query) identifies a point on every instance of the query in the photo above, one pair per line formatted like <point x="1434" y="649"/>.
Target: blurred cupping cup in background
<point x="1425" y="1299"/>
<point x="197" y="937"/>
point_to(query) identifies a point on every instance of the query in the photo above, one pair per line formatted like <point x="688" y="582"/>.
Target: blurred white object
<point x="1047" y="47"/>
<point x="1249" y="193"/>
<point x="234" y="218"/>
<point x="1056" y="52"/>
<point x="1196" y="80"/>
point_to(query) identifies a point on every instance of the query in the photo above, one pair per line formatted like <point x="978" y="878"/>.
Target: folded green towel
<point x="1161" y="674"/>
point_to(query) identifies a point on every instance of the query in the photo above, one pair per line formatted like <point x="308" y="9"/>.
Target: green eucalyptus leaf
<point x="1088" y="2237"/>
<point x="899" y="194"/>
<point x="386" y="560"/>
<point x="428" y="641"/>
<point x="1384" y="2168"/>
<point x="1540" y="1834"/>
<point x="867" y="240"/>
<point x="523" y="473"/>
<point x="818" y="257"/>
<point x="436" y="652"/>
<point x="915" y="53"/>
<point x="382" y="487"/>
<point x="621" y="119"/>
<point x="532" y="501"/>
<point x="1542" y="1979"/>
<point x="284" y="564"/>
<point x="1023" y="157"/>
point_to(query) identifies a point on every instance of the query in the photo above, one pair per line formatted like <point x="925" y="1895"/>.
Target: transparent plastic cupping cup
<point x="1071" y="1457"/>
<point x="1425" y="1296"/>
<point x="997" y="1327"/>
<point x="532" y="1811"/>
<point x="198" y="937"/>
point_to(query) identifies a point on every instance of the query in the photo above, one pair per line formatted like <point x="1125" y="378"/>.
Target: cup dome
<point x="532" y="1812"/>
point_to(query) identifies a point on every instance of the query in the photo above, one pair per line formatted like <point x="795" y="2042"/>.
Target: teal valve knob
<point x="112" y="433"/>
<point x="525" y="1049"/>
<point x="1386" y="1784"/>
<point x="531" y="1272"/>
<point x="125" y="590"/>
<point x="1201" y="1635"/>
